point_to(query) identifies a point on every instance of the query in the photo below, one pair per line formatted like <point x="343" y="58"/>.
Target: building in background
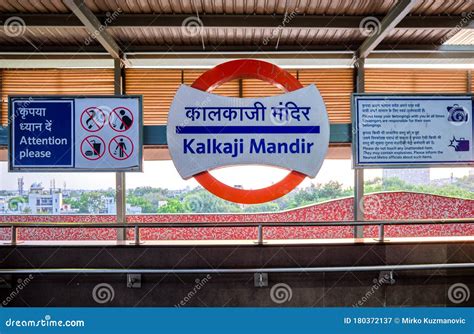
<point x="44" y="202"/>
<point x="3" y="204"/>
<point x="111" y="207"/>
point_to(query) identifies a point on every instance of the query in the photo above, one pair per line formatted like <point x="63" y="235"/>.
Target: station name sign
<point x="75" y="133"/>
<point x="393" y="131"/>
<point x="206" y="131"/>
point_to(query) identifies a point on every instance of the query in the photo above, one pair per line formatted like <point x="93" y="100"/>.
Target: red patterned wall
<point x="380" y="206"/>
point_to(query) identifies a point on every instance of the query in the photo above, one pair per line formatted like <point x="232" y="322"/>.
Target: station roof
<point x="235" y="25"/>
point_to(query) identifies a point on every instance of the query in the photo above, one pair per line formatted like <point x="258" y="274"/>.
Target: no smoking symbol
<point x="121" y="147"/>
<point x="93" y="119"/>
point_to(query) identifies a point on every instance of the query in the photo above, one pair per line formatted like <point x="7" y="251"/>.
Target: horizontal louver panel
<point x="415" y="81"/>
<point x="259" y="88"/>
<point x="336" y="87"/>
<point x="158" y="87"/>
<point x="472" y="81"/>
<point x="230" y="88"/>
<point x="55" y="82"/>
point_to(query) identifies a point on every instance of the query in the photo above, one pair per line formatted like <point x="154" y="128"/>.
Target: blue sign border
<point x="13" y="169"/>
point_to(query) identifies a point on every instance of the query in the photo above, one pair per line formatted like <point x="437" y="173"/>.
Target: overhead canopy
<point x="234" y="25"/>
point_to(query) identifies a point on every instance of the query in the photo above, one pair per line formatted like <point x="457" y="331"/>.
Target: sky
<point x="163" y="174"/>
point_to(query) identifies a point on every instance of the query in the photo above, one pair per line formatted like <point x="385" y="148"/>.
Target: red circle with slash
<point x="87" y="113"/>
<point x="114" y="114"/>
<point x="96" y="152"/>
<point x="124" y="150"/>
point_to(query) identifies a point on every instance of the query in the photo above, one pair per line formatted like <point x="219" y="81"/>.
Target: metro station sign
<point x="207" y="131"/>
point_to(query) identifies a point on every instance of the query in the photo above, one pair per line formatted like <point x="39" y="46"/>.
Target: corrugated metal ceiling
<point x="309" y="7"/>
<point x="229" y="36"/>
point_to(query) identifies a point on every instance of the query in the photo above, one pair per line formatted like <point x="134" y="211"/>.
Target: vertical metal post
<point x="359" y="173"/>
<point x="14" y="236"/>
<point x="137" y="235"/>
<point x="381" y="232"/>
<point x="120" y="187"/>
<point x="260" y="235"/>
<point x="469" y="81"/>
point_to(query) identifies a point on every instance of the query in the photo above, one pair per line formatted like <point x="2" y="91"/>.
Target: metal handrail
<point x="388" y="267"/>
<point x="242" y="224"/>
<point x="260" y="225"/>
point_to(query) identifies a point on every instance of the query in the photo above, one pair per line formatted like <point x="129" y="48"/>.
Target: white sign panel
<point x="107" y="133"/>
<point x="206" y="131"/>
<point x="56" y="133"/>
<point x="412" y="130"/>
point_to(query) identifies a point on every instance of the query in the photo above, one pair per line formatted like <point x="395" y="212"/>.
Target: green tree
<point x="145" y="204"/>
<point x="173" y="206"/>
<point x="91" y="202"/>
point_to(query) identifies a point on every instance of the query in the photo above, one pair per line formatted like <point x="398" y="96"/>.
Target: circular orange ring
<point x="248" y="69"/>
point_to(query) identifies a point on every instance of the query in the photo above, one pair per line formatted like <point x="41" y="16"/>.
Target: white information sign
<point x="412" y="130"/>
<point x="206" y="131"/>
<point x="107" y="133"/>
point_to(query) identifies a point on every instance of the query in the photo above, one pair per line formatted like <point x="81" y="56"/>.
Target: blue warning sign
<point x="59" y="133"/>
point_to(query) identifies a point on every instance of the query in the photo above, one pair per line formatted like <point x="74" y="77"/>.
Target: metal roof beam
<point x="94" y="26"/>
<point x="390" y="21"/>
<point x="333" y="51"/>
<point x="243" y="21"/>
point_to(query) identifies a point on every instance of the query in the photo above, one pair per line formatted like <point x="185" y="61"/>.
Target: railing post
<point x="137" y="235"/>
<point x="14" y="236"/>
<point x="260" y="235"/>
<point x="381" y="232"/>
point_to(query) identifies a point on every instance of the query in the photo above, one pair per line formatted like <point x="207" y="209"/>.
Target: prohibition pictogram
<point x="121" y="147"/>
<point x="92" y="119"/>
<point x="121" y="119"/>
<point x="93" y="148"/>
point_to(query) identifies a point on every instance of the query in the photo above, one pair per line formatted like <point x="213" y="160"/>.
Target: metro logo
<point x="207" y="131"/>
